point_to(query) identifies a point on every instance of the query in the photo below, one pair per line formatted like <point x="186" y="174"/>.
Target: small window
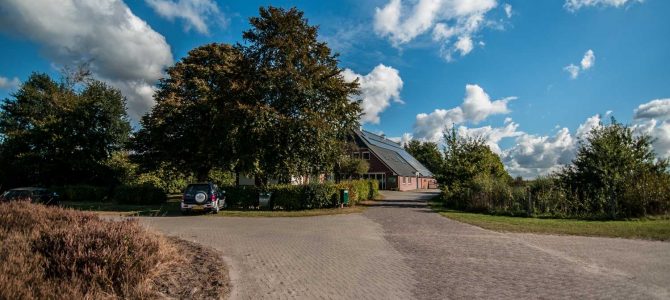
<point x="357" y="155"/>
<point x="366" y="155"/>
<point x="403" y="179"/>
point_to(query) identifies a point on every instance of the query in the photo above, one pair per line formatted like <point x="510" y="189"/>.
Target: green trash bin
<point x="344" y="196"/>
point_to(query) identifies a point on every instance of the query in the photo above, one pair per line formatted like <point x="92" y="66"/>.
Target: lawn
<point x="171" y="208"/>
<point x="652" y="229"/>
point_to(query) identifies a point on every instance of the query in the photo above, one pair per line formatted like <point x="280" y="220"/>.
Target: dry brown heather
<point x="54" y="253"/>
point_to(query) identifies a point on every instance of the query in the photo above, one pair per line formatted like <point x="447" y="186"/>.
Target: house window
<point x="366" y="155"/>
<point x="357" y="155"/>
<point x="410" y="180"/>
<point x="403" y="179"/>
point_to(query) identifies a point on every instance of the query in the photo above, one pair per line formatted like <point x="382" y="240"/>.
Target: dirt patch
<point x="201" y="274"/>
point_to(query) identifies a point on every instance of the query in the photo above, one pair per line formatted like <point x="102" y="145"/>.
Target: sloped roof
<point x="393" y="155"/>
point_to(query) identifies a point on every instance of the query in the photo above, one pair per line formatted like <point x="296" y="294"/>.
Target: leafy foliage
<point x="193" y="125"/>
<point x="427" y="153"/>
<point x="299" y="106"/>
<point x="609" y="164"/>
<point x="58" y="133"/>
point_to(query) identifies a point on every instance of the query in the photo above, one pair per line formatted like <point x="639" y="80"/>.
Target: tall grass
<point x="53" y="253"/>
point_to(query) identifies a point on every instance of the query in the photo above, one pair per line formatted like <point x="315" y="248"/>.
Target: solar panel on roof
<point x="390" y="145"/>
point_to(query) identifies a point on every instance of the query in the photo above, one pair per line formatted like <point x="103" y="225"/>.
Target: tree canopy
<point x="275" y="106"/>
<point x="61" y="133"/>
<point x="608" y="163"/>
<point x="427" y="153"/>
<point x="193" y="125"/>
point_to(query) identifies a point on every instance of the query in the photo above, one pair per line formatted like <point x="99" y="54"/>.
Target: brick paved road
<point x="401" y="250"/>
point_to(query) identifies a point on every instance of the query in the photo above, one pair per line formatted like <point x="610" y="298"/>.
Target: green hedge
<point x="139" y="194"/>
<point x="82" y="193"/>
<point x="300" y="197"/>
<point x="288" y="197"/>
<point x="360" y="190"/>
<point x="241" y="196"/>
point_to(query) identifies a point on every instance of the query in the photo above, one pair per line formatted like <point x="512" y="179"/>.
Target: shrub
<point x="288" y="197"/>
<point x="139" y="194"/>
<point x="374" y="189"/>
<point x="53" y="253"/>
<point x="81" y="193"/>
<point x="321" y="195"/>
<point x="359" y="190"/>
<point x="241" y="196"/>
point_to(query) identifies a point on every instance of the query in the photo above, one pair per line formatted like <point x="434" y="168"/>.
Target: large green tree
<point x="427" y="153"/>
<point x="61" y="133"/>
<point x="609" y="164"/>
<point x="300" y="104"/>
<point x="194" y="124"/>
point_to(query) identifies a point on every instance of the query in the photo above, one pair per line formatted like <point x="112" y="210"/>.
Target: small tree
<point x="608" y="162"/>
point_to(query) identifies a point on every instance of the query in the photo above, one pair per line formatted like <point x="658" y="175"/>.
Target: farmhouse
<point x="390" y="164"/>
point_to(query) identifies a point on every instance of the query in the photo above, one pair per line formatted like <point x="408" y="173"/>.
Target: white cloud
<point x="586" y="63"/>
<point x="476" y="107"/>
<point x="402" y="140"/>
<point x="195" y="13"/>
<point x="534" y="155"/>
<point x="446" y="19"/>
<point x="574" y="5"/>
<point x="378" y="89"/>
<point x="588" y="60"/>
<point x="508" y="10"/>
<point x="8" y="84"/>
<point x="121" y="48"/>
<point x="573" y="70"/>
<point x="653" y="118"/>
<point x="491" y="135"/>
<point x="655" y="109"/>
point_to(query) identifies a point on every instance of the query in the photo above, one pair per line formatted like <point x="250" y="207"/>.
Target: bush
<point x="288" y="197"/>
<point x="374" y="189"/>
<point x="241" y="196"/>
<point x="53" y="253"/>
<point x="139" y="194"/>
<point x="359" y="190"/>
<point x="82" y="193"/>
<point x="321" y="195"/>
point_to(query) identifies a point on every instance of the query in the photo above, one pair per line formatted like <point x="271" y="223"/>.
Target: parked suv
<point x="32" y="194"/>
<point x="202" y="197"/>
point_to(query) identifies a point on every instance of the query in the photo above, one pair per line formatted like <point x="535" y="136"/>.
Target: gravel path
<point x="399" y="249"/>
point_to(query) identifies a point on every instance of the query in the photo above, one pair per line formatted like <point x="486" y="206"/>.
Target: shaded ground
<point x="202" y="275"/>
<point x="399" y="249"/>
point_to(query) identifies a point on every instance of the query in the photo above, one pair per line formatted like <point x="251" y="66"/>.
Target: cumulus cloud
<point x="453" y="23"/>
<point x="574" y="5"/>
<point x="196" y="14"/>
<point x="9" y="83"/>
<point x="654" y="109"/>
<point x="378" y="89"/>
<point x="476" y="107"/>
<point x="492" y="135"/>
<point x="535" y="155"/>
<point x="120" y="48"/>
<point x="653" y="118"/>
<point x="586" y="63"/>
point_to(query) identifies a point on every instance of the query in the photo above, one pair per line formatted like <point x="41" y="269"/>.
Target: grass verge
<point x="651" y="229"/>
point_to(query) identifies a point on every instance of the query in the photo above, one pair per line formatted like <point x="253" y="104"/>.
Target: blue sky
<point x="412" y="58"/>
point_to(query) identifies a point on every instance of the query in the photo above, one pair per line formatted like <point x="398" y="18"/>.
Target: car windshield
<point x="16" y="194"/>
<point x="195" y="188"/>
